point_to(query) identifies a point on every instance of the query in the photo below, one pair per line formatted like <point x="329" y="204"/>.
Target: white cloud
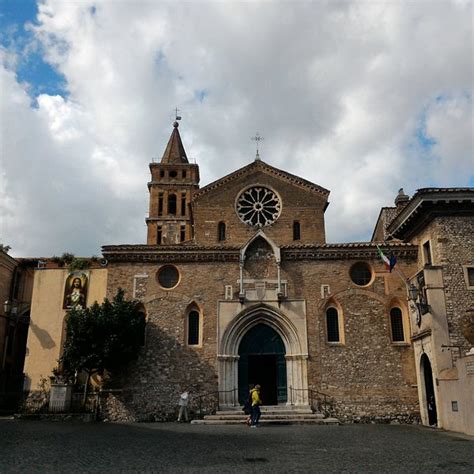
<point x="338" y="90"/>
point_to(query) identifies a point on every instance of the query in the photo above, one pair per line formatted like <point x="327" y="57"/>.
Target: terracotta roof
<point x="174" y="152"/>
<point x="259" y="164"/>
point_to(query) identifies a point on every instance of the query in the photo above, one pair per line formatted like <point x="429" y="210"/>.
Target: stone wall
<point x="452" y="247"/>
<point x="366" y="377"/>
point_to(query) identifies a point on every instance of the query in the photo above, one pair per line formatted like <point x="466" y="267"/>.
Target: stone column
<point x="297" y="378"/>
<point x="228" y="380"/>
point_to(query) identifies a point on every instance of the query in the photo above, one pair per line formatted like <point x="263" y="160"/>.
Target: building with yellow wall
<point x="47" y="326"/>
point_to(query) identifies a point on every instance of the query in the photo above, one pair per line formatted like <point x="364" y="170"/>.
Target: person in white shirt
<point x="183" y="406"/>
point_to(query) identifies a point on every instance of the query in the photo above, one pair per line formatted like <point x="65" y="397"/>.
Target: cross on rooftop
<point x="257" y="138"/>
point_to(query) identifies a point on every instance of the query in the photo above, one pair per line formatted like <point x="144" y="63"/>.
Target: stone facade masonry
<point x="452" y="247"/>
<point x="298" y="204"/>
<point x="368" y="376"/>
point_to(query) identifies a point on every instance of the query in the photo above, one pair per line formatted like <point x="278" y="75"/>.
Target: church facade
<point x="239" y="287"/>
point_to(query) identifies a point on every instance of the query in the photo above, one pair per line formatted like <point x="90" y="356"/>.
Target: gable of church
<point x="257" y="197"/>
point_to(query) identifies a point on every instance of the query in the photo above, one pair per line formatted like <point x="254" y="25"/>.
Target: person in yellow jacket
<point x="256" y="402"/>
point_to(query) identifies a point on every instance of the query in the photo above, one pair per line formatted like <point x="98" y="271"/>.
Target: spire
<point x="174" y="152"/>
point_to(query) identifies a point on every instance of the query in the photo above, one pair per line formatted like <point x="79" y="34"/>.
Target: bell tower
<point x="173" y="182"/>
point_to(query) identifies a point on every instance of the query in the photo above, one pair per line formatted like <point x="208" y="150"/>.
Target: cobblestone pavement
<point x="41" y="446"/>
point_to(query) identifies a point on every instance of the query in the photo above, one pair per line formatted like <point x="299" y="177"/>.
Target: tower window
<point x="396" y="323"/>
<point x="159" y="235"/>
<point x="221" y="231"/>
<point x="162" y="173"/>
<point x="183" y="174"/>
<point x="193" y="328"/>
<point x="296" y="230"/>
<point x="332" y="323"/>
<point x="172" y="204"/>
<point x="173" y="174"/>
<point x="183" y="204"/>
<point x="182" y="235"/>
<point x="160" y="204"/>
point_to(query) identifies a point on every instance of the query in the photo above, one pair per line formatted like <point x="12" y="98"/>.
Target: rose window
<point x="258" y="206"/>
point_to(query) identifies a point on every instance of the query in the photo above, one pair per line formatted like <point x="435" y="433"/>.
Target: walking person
<point x="256" y="402"/>
<point x="183" y="406"/>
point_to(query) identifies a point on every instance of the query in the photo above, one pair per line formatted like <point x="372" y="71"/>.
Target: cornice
<point x="195" y="253"/>
<point x="355" y="250"/>
<point x="288" y="177"/>
<point x="429" y="203"/>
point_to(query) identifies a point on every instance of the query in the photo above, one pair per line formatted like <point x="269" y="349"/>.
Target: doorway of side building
<point x="262" y="361"/>
<point x="429" y="390"/>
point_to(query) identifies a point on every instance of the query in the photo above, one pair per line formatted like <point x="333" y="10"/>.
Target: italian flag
<point x="390" y="262"/>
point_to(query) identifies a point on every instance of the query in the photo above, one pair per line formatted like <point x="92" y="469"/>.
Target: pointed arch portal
<point x="262" y="361"/>
<point x="261" y="344"/>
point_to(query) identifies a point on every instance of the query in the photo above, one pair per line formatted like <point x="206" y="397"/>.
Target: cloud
<point x="339" y="90"/>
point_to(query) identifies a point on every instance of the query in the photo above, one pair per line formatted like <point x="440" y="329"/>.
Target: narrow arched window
<point x="332" y="324"/>
<point x="296" y="230"/>
<point x="172" y="204"/>
<point x="396" y="323"/>
<point x="193" y="328"/>
<point x="221" y="231"/>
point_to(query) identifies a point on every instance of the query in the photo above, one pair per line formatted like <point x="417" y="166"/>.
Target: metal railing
<point x="207" y="403"/>
<point x="319" y="401"/>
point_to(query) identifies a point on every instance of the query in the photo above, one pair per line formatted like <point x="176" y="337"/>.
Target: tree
<point x="103" y="337"/>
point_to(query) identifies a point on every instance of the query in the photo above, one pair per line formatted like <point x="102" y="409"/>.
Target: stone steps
<point x="277" y="415"/>
<point x="316" y="416"/>
<point x="325" y="421"/>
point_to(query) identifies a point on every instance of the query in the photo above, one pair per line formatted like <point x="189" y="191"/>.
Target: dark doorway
<point x="262" y="361"/>
<point x="429" y="390"/>
<point x="263" y="371"/>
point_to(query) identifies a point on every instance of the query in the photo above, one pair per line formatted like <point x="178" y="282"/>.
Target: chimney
<point x="401" y="200"/>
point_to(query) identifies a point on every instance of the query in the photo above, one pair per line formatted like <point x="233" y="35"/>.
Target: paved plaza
<point x="39" y="446"/>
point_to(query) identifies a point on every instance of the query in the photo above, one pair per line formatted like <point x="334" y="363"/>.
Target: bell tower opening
<point x="262" y="361"/>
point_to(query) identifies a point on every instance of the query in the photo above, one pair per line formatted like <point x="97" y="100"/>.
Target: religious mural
<point x="75" y="291"/>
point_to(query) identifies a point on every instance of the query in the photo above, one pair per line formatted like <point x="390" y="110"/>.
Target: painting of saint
<point x="75" y="292"/>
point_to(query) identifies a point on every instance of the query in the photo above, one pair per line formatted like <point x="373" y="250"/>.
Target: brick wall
<point x="298" y="204"/>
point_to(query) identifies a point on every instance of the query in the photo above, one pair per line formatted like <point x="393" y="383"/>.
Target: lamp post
<point x="413" y="293"/>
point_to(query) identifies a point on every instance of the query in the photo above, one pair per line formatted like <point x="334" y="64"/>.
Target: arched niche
<point x="260" y="259"/>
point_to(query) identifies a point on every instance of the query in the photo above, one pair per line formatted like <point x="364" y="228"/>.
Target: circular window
<point x="361" y="273"/>
<point x="173" y="174"/>
<point x="168" y="276"/>
<point x="258" y="206"/>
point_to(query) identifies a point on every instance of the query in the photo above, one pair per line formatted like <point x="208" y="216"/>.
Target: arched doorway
<point x="262" y="361"/>
<point x="429" y="389"/>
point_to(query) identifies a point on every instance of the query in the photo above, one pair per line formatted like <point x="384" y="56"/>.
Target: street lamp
<point x="7" y="307"/>
<point x="413" y="292"/>
<point x="11" y="308"/>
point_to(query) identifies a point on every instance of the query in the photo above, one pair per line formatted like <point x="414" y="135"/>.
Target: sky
<point x="362" y="98"/>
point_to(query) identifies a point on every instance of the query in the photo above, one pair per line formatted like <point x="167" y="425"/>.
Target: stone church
<point x="239" y="287"/>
